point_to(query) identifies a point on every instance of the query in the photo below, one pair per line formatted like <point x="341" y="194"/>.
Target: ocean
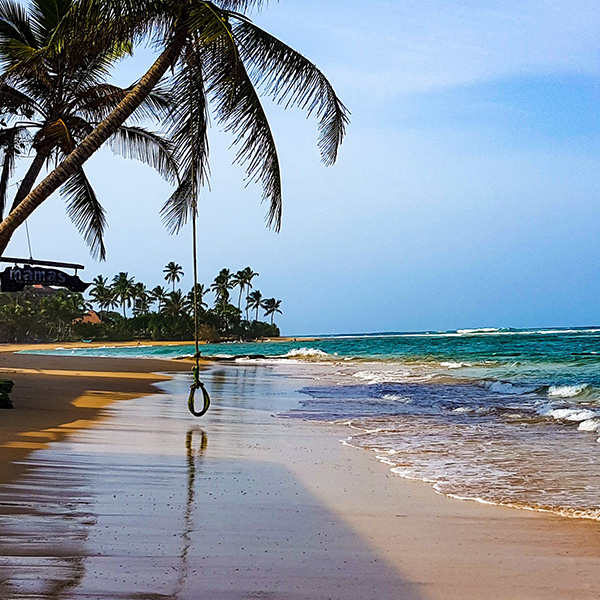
<point x="499" y="416"/>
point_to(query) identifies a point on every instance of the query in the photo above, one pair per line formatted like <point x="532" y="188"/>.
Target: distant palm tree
<point x="173" y="273"/>
<point x="221" y="286"/>
<point x="123" y="288"/>
<point x="271" y="307"/>
<point x="254" y="302"/>
<point x="200" y="293"/>
<point x="159" y="295"/>
<point x="102" y="294"/>
<point x="141" y="299"/>
<point x="243" y="279"/>
<point x="176" y="305"/>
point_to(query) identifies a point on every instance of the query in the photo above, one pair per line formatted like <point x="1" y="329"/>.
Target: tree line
<point x="161" y="314"/>
<point x="156" y="313"/>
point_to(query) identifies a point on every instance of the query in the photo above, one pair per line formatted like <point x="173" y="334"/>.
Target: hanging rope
<point x="196" y="383"/>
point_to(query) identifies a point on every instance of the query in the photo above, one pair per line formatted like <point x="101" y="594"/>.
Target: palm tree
<point x="102" y="293"/>
<point x="213" y="51"/>
<point x="254" y="302"/>
<point x="52" y="99"/>
<point x="173" y="273"/>
<point x="221" y="286"/>
<point x="243" y="279"/>
<point x="200" y="293"/>
<point x="123" y="288"/>
<point x="176" y="305"/>
<point x="159" y="294"/>
<point x="271" y="307"/>
<point x="141" y="299"/>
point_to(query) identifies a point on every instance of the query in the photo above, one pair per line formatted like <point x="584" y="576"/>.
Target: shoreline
<point x="405" y="540"/>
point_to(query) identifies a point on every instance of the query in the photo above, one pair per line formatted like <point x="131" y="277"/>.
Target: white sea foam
<point x="566" y="391"/>
<point x="463" y="409"/>
<point x="307" y="353"/>
<point x="478" y="330"/>
<point x="397" y="397"/>
<point x="589" y="425"/>
<point x="567" y="414"/>
<point x="454" y="365"/>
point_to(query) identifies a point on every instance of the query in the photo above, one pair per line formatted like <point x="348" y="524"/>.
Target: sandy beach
<point x="110" y="489"/>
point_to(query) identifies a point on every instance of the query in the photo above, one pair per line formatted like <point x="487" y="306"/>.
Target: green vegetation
<point x="32" y="315"/>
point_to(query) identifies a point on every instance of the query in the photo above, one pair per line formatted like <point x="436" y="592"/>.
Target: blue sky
<point x="466" y="194"/>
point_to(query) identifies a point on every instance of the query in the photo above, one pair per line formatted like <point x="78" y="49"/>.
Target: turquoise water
<point x="508" y="417"/>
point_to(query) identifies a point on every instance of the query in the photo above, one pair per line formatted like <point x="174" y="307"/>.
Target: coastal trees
<point x="255" y="302"/>
<point x="221" y="285"/>
<point x="123" y="289"/>
<point x="50" y="314"/>
<point x="271" y="307"/>
<point x="173" y="273"/>
<point x="215" y="54"/>
<point x="243" y="279"/>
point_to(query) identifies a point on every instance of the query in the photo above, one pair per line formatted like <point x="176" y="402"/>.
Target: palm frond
<point x="15" y="24"/>
<point x="189" y="138"/>
<point x="239" y="108"/>
<point x="8" y="145"/>
<point x="147" y="147"/>
<point x="241" y="5"/>
<point x="291" y="79"/>
<point x="98" y="100"/>
<point x="14" y="101"/>
<point x="46" y="16"/>
<point x="85" y="212"/>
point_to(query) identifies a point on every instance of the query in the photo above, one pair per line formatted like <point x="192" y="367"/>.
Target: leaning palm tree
<point x="271" y="307"/>
<point x="52" y="99"/>
<point x="216" y="55"/>
<point x="123" y="288"/>
<point x="254" y="302"/>
<point x="173" y="273"/>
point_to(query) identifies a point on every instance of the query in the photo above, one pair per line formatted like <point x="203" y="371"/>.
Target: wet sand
<point x="146" y="502"/>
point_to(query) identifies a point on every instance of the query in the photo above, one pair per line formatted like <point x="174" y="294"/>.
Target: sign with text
<point x="14" y="279"/>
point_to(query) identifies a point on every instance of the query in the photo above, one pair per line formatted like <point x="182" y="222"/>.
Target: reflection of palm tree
<point x="173" y="273"/>
<point x="254" y="302"/>
<point x="191" y="472"/>
<point x="271" y="307"/>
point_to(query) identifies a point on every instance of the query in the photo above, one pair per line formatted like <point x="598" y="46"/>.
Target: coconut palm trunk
<point x="28" y="181"/>
<point x="92" y="142"/>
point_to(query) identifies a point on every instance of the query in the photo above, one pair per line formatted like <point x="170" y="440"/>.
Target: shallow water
<point x="153" y="504"/>
<point x="500" y="416"/>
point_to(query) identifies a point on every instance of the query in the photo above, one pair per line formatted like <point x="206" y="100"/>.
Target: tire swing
<point x="196" y="383"/>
